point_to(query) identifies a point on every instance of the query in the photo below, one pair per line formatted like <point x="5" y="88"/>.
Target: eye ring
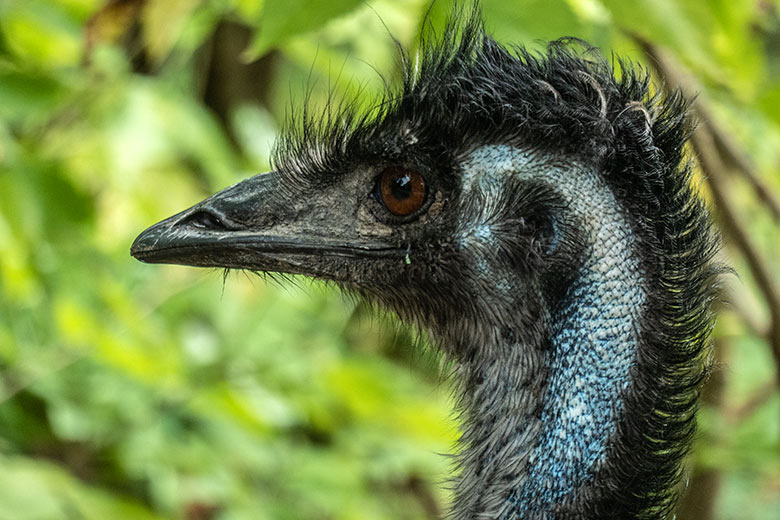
<point x="401" y="190"/>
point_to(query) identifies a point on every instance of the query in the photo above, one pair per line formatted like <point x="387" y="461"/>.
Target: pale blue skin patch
<point x="594" y="335"/>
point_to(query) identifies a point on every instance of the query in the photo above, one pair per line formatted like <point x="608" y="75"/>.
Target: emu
<point x="535" y="217"/>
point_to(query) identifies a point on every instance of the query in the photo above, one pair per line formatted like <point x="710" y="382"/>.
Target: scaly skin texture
<point x="560" y="258"/>
<point x="572" y="382"/>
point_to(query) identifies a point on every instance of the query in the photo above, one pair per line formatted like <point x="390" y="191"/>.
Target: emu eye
<point x="401" y="190"/>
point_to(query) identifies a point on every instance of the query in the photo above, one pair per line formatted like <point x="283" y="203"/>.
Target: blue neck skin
<point x="593" y="335"/>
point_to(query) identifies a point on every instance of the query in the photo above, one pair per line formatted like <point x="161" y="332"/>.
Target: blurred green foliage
<point x="136" y="391"/>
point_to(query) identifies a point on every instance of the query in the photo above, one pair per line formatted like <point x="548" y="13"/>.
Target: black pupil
<point x="401" y="187"/>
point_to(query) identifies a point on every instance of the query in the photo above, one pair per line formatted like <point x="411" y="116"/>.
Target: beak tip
<point x="136" y="250"/>
<point x="145" y="243"/>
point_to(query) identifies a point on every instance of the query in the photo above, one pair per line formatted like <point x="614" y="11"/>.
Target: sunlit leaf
<point x="280" y="21"/>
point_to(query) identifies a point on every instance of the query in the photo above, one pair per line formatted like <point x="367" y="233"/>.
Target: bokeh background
<point x="158" y="392"/>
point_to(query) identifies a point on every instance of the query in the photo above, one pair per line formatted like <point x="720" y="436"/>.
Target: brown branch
<point x="731" y="152"/>
<point x="420" y="490"/>
<point x="755" y="326"/>
<point x="732" y="222"/>
<point x="737" y="414"/>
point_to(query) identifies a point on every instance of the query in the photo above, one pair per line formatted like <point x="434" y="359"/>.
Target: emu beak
<point x="251" y="225"/>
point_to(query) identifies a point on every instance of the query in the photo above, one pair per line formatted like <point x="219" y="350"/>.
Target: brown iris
<point x="402" y="190"/>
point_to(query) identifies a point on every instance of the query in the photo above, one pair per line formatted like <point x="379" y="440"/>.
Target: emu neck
<point x="543" y="400"/>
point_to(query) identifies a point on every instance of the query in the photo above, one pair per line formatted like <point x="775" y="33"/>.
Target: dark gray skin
<point x="558" y="256"/>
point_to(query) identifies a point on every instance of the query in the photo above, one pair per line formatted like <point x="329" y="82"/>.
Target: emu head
<point x="388" y="204"/>
<point x="393" y="222"/>
<point x="532" y="213"/>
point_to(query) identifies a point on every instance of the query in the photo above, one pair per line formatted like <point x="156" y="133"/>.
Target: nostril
<point x="204" y="220"/>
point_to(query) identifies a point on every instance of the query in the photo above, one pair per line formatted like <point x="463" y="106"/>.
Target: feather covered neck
<point x="543" y="398"/>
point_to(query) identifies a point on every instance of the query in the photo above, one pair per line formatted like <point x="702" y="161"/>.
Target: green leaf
<point x="26" y="94"/>
<point x="280" y="21"/>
